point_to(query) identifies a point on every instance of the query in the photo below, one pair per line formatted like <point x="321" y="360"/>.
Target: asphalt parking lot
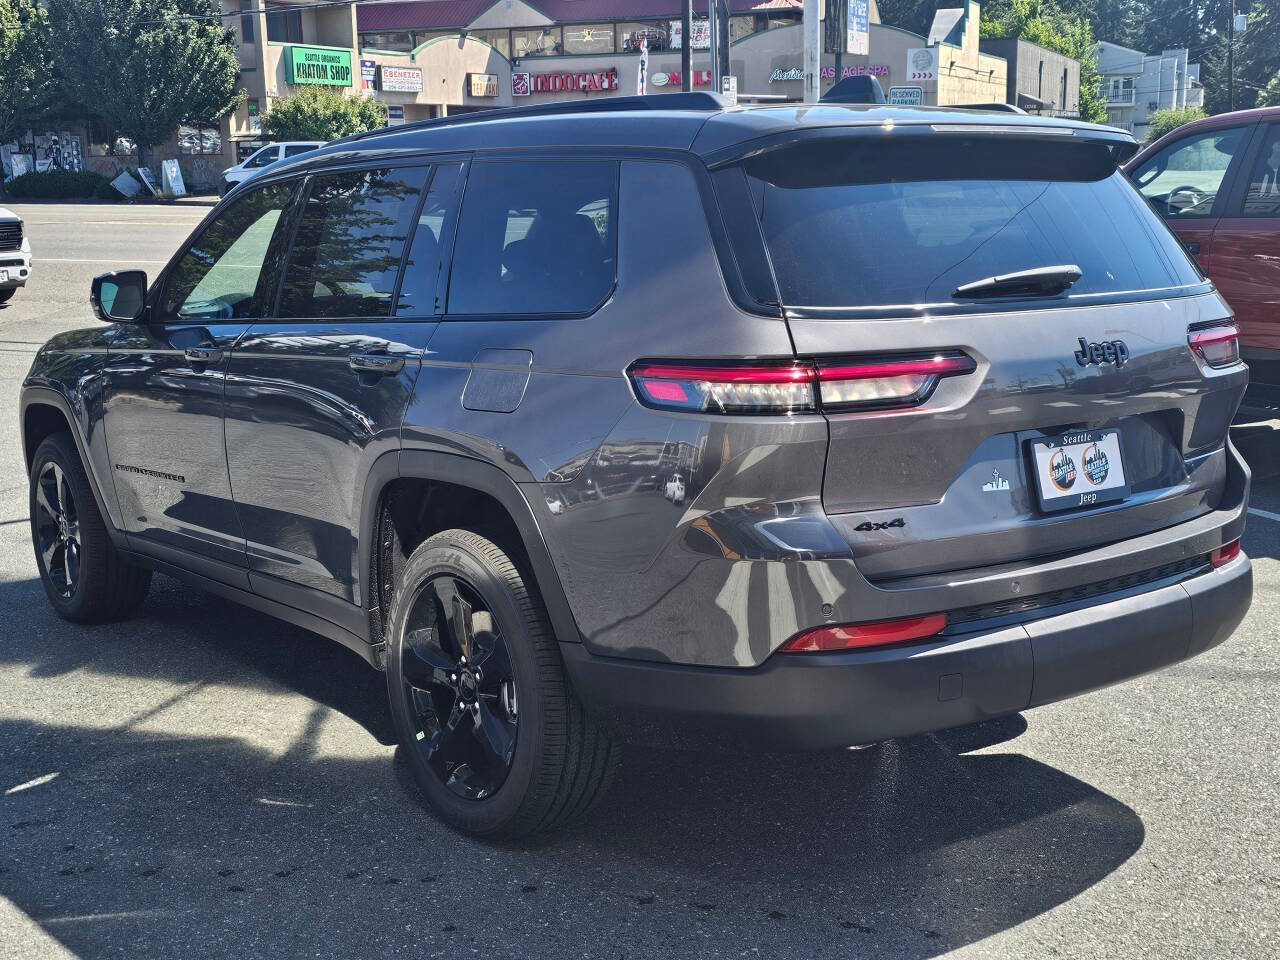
<point x="203" y="781"/>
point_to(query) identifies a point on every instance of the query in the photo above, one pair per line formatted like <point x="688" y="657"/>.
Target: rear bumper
<point x="830" y="700"/>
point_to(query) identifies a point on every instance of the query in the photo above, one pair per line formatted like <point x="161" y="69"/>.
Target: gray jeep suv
<point x="794" y="426"/>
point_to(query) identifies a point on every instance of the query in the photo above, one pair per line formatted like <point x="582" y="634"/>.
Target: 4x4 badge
<point x="885" y="525"/>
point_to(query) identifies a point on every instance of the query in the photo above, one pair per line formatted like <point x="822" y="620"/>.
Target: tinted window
<point x="263" y="157"/>
<point x="863" y="223"/>
<point x="346" y="254"/>
<point x="296" y="148"/>
<point x="222" y="275"/>
<point x="535" y="237"/>
<point x="1183" y="179"/>
<point x="426" y="253"/>
<point x="1263" y="196"/>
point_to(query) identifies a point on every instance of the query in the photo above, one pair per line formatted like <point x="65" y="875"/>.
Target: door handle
<point x="377" y="363"/>
<point x="1193" y="247"/>
<point x="204" y="355"/>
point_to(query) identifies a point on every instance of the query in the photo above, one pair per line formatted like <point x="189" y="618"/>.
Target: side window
<point x="222" y="275"/>
<point x="1263" y="196"/>
<point x="1183" y="179"/>
<point x="294" y="149"/>
<point x="350" y="239"/>
<point x="535" y="237"/>
<point x="263" y="157"/>
<point x="426" y="253"/>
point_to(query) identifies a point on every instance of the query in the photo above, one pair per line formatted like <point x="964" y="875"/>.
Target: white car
<point x="15" y="255"/>
<point x="265" y="157"/>
<point x="674" y="490"/>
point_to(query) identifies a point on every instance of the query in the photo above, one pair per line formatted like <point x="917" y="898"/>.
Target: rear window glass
<point x="535" y="237"/>
<point x="856" y="223"/>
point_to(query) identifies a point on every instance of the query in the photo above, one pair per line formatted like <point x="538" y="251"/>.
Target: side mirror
<point x="120" y="296"/>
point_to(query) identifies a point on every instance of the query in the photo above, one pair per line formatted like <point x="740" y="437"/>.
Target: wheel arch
<point x="478" y="478"/>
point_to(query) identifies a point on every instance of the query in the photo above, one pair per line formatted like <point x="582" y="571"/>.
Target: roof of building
<point x="450" y="14"/>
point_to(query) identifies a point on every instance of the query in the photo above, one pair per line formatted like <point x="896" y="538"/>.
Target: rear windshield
<point x="878" y="223"/>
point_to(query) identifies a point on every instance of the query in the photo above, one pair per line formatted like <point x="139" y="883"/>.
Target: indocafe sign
<point x="595" y="81"/>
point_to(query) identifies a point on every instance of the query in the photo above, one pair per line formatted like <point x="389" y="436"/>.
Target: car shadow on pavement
<point x="204" y="844"/>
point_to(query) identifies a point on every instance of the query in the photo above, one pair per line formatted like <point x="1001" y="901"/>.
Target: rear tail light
<point x="1218" y="346"/>
<point x="881" y="383"/>
<point x="856" y="636"/>
<point x="1225" y="554"/>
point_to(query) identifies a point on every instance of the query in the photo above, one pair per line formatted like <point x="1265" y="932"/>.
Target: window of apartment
<point x="536" y="42"/>
<point x="657" y="32"/>
<point x="247" y="20"/>
<point x="535" y="238"/>
<point x="346" y="254"/>
<point x="284" y="25"/>
<point x="399" y="41"/>
<point x="500" y="40"/>
<point x="1040" y="82"/>
<point x="588" y="38"/>
<point x="1062" y="102"/>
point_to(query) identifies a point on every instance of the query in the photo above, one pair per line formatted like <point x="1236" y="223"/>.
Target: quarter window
<point x="1183" y="179"/>
<point x="222" y="275"/>
<point x="535" y="238"/>
<point x="351" y="236"/>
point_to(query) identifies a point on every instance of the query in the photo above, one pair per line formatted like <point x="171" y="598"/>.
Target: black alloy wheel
<point x="57" y="527"/>
<point x="457" y="673"/>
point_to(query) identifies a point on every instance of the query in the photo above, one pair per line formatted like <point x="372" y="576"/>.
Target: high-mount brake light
<point x="887" y="383"/>
<point x="1218" y="346"/>
<point x="855" y="636"/>
<point x="758" y="388"/>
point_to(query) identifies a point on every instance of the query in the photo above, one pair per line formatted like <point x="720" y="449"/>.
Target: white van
<point x="267" y="155"/>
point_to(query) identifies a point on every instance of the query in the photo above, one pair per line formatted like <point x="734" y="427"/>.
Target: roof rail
<point x="699" y="101"/>
<point x="990" y="107"/>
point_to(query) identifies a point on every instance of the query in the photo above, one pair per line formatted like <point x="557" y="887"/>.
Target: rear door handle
<point x="204" y="355"/>
<point x="377" y="363"/>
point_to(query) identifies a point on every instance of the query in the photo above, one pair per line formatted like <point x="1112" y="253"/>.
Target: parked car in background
<point x="945" y="404"/>
<point x="265" y="157"/>
<point x="1216" y="182"/>
<point x="15" y="255"/>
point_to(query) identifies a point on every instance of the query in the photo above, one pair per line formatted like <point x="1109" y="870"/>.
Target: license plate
<point x="1079" y="469"/>
<point x="4" y="276"/>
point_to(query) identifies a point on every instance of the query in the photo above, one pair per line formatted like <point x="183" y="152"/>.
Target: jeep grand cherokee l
<point x="947" y="402"/>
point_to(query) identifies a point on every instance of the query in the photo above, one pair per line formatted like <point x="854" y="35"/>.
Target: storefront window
<point x="657" y="32"/>
<point x="400" y="41"/>
<point x="197" y="140"/>
<point x="500" y="40"/>
<point x="588" y="38"/>
<point x="537" y="42"/>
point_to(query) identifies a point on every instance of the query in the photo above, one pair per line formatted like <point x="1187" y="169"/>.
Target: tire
<point x="84" y="576"/>
<point x="558" y="762"/>
<point x="7" y="295"/>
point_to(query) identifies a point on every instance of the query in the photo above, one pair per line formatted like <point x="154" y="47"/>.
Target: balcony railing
<point x="1122" y="98"/>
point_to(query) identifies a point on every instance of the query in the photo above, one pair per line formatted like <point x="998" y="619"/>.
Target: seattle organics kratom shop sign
<point x="318" y="65"/>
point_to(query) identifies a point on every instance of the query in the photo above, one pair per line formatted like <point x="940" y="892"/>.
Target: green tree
<point x="1162" y="121"/>
<point x="1040" y="22"/>
<point x="1269" y="96"/>
<point x="322" y="113"/>
<point x="146" y="66"/>
<point x="30" y="91"/>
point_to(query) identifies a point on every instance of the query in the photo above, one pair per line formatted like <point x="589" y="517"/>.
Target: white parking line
<point x="1265" y="514"/>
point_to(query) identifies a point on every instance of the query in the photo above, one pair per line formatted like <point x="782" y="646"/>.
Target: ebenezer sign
<point x="331" y="68"/>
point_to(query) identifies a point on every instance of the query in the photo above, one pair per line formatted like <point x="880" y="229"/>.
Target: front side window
<point x="535" y="238"/>
<point x="1184" y="178"/>
<point x="1263" y="196"/>
<point x="227" y="274"/>
<point x="351" y="235"/>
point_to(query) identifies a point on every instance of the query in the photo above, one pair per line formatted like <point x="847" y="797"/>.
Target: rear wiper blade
<point x="1037" y="280"/>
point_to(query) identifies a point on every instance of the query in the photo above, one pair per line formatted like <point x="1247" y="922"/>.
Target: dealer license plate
<point x="1079" y="469"/>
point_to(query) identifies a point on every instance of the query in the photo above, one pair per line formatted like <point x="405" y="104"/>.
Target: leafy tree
<point x="30" y="91"/>
<point x="1040" y="22"/>
<point x="322" y="113"/>
<point x="146" y="66"/>
<point x="1162" y="121"/>
<point x="1269" y="96"/>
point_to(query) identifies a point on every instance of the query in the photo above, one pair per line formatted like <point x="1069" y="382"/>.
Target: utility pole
<point x="686" y="45"/>
<point x="1231" y="58"/>
<point x="812" y="51"/>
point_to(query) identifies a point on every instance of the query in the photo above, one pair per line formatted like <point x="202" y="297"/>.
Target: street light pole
<point x="812" y="51"/>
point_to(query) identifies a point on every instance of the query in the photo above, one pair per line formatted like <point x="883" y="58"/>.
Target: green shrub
<point x="1162" y="121"/>
<point x="322" y="113"/>
<point x="62" y="185"/>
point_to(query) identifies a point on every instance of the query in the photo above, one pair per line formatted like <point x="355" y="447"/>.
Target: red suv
<point x="1217" y="183"/>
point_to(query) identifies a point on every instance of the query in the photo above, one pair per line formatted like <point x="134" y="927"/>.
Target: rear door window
<point x="350" y="239"/>
<point x="430" y="247"/>
<point x="1185" y="178"/>
<point x="888" y="224"/>
<point x="535" y="238"/>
